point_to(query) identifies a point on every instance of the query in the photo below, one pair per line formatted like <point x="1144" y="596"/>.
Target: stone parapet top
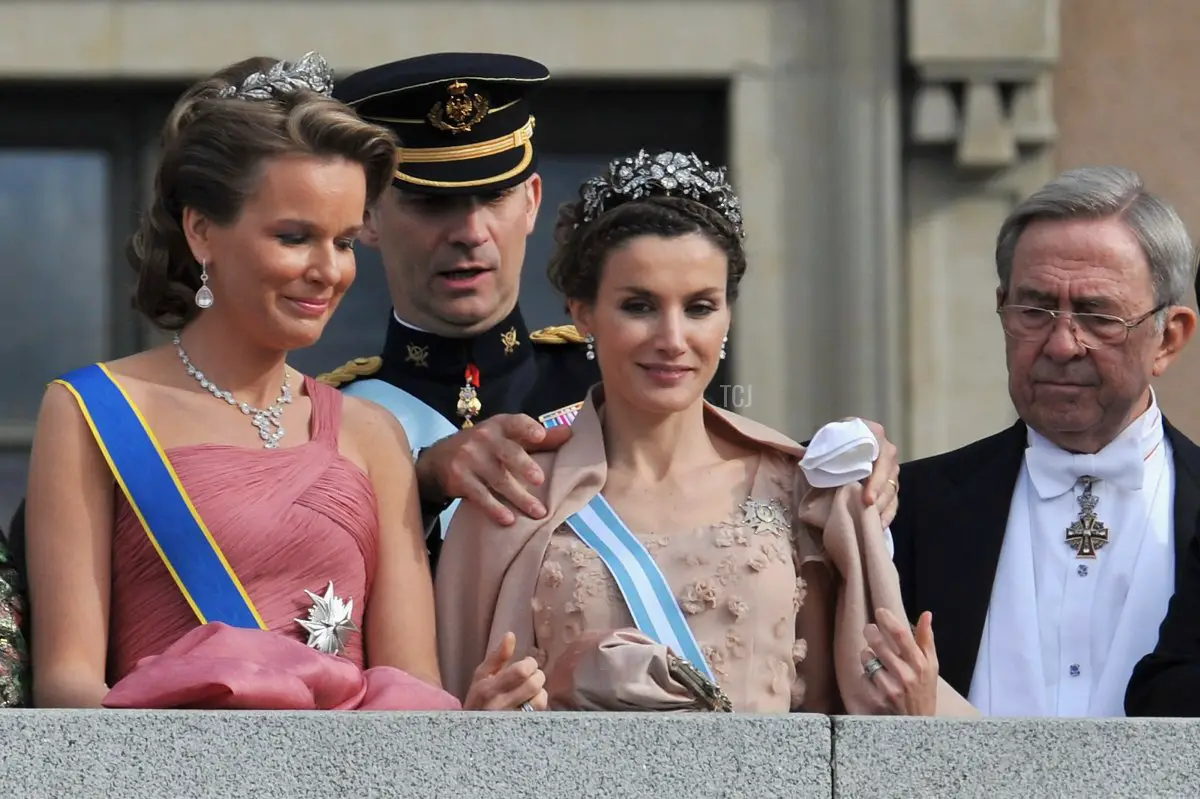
<point x="85" y="754"/>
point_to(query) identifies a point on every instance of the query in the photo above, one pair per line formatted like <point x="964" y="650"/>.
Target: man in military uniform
<point x="459" y="367"/>
<point x="452" y="235"/>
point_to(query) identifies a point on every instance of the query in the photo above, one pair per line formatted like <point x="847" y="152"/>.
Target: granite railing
<point x="158" y="755"/>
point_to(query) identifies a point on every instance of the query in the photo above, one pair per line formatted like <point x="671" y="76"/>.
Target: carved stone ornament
<point x="986" y="75"/>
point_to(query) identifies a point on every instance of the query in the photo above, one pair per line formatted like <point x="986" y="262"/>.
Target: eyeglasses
<point x="1091" y="330"/>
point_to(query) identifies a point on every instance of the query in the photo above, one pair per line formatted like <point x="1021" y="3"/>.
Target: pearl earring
<point x="724" y="341"/>
<point x="591" y="350"/>
<point x="204" y="297"/>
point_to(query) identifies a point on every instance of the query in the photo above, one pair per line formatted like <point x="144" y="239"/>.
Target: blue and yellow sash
<point x="158" y="498"/>
<point x="647" y="594"/>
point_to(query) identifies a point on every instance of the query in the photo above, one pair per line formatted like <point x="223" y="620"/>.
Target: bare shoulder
<point x="59" y="406"/>
<point x="148" y="374"/>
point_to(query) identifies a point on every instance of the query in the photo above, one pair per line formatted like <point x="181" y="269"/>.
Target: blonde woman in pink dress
<point x="303" y="502"/>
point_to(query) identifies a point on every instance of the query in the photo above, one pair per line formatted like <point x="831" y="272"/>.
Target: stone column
<point x="981" y="128"/>
<point x="817" y="137"/>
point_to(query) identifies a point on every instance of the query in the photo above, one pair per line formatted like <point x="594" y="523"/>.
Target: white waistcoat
<point x="1063" y="633"/>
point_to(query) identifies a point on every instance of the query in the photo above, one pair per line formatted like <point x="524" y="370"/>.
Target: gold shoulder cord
<point x="557" y="334"/>
<point x="358" y="367"/>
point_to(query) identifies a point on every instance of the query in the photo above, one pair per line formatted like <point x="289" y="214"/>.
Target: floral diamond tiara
<point x="663" y="174"/>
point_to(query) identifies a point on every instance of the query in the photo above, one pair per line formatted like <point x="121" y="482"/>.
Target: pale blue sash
<point x="649" y="598"/>
<point x="422" y="424"/>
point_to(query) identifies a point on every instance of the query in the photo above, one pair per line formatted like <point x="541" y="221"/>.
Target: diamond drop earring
<point x="591" y="350"/>
<point x="724" y="341"/>
<point x="204" y="297"/>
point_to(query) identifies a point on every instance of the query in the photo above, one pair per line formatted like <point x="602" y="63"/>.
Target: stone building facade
<point x="877" y="145"/>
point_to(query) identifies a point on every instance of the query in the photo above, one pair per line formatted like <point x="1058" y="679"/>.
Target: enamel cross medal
<point x="1087" y="534"/>
<point x="330" y="622"/>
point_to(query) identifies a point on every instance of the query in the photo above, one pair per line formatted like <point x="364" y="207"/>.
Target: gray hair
<point x="1097" y="192"/>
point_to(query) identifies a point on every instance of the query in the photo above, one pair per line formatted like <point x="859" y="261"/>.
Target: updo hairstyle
<point x="664" y="194"/>
<point x="212" y="148"/>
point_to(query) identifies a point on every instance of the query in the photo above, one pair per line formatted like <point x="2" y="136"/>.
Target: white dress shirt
<point x="409" y="325"/>
<point x="1063" y="633"/>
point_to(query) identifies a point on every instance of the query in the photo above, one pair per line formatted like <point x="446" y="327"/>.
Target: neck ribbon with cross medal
<point x="1087" y="534"/>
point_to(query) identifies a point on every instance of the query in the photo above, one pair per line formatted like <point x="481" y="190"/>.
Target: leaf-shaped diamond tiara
<point x="310" y="73"/>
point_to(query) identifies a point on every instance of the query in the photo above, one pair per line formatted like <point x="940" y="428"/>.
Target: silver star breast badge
<point x="330" y="622"/>
<point x="766" y="515"/>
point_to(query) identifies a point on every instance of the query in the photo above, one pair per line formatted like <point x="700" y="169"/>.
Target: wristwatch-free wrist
<point x="429" y="508"/>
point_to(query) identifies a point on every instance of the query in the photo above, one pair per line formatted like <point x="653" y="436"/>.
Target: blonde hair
<point x="212" y="148"/>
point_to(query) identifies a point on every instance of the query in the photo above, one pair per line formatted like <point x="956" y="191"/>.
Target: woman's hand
<point x="882" y="488"/>
<point x="500" y="685"/>
<point x="908" y="680"/>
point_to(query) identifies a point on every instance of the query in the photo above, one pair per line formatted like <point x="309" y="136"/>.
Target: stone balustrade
<point x="117" y="754"/>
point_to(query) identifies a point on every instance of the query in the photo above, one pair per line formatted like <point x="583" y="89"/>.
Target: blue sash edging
<point x="158" y="498"/>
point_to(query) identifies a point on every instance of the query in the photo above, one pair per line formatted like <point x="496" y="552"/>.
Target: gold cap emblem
<point x="460" y="111"/>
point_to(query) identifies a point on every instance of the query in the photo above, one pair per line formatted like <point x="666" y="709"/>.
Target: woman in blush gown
<point x="688" y="559"/>
<point x="207" y="528"/>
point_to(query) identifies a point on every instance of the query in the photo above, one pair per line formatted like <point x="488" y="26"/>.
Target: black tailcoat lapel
<point x="950" y="529"/>
<point x="948" y="535"/>
<point x="1185" y="456"/>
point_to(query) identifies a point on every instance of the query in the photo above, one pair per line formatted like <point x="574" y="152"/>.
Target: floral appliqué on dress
<point x="735" y="579"/>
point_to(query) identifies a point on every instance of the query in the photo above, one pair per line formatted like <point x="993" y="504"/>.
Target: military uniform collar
<point x="496" y="351"/>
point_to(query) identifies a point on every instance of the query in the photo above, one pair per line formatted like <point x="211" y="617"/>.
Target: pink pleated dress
<point x="287" y="520"/>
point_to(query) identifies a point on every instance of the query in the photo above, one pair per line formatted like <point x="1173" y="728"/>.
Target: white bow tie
<point x="1055" y="471"/>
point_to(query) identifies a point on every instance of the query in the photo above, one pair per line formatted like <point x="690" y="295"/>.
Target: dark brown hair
<point x="582" y="247"/>
<point x="212" y="148"/>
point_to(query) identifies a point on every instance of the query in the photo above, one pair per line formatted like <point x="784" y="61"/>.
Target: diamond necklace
<point x="268" y="422"/>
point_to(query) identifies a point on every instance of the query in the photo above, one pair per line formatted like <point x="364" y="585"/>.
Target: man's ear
<point x="533" y="198"/>
<point x="369" y="235"/>
<point x="1177" y="332"/>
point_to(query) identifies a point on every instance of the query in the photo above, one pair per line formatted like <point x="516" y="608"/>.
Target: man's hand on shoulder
<point x="489" y="464"/>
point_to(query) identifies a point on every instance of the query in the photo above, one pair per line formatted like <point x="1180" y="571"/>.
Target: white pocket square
<point x="840" y="453"/>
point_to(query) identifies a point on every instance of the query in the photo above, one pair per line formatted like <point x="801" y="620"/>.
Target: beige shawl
<point x="487" y="576"/>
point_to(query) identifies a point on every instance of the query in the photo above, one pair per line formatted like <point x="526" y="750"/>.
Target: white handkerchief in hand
<point x="840" y="453"/>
